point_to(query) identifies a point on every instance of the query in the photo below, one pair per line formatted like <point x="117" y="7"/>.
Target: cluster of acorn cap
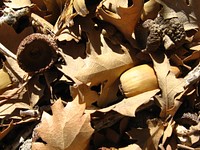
<point x="37" y="52"/>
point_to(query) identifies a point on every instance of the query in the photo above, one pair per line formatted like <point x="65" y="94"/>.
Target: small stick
<point x="193" y="76"/>
<point x="7" y="52"/>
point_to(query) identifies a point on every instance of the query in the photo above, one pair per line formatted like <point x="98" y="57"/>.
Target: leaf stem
<point x="7" y="52"/>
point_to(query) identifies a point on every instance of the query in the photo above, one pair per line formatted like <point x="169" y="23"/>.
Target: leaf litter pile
<point x="99" y="74"/>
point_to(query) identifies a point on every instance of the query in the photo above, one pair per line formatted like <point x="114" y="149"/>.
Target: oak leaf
<point x="170" y="86"/>
<point x="100" y="66"/>
<point x="125" y="18"/>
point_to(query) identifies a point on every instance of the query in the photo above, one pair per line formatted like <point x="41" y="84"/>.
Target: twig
<point x="11" y="16"/>
<point x="184" y="147"/>
<point x="193" y="76"/>
<point x="7" y="52"/>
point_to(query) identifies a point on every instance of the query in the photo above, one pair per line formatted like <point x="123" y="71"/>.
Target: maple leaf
<point x="170" y="86"/>
<point x="66" y="127"/>
<point x="125" y="19"/>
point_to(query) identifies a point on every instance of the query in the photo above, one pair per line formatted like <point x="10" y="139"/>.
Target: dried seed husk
<point x="137" y="80"/>
<point x="36" y="53"/>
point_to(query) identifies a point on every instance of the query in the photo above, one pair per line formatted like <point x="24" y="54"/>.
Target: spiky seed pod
<point x="36" y="53"/>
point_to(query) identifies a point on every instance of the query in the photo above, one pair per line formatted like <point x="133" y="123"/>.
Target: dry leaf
<point x="131" y="147"/>
<point x="17" y="4"/>
<point x="8" y="109"/>
<point x="68" y="14"/>
<point x="168" y="131"/>
<point x="66" y="17"/>
<point x="67" y="126"/>
<point x="186" y="11"/>
<point x="80" y="7"/>
<point x="168" y="83"/>
<point x="148" y="138"/>
<point x="122" y="17"/>
<point x="53" y="7"/>
<point x="98" y="68"/>
<point x="35" y="90"/>
<point x="188" y="136"/>
<point x="156" y="130"/>
<point x="129" y="106"/>
<point x="150" y="10"/>
<point x="8" y="31"/>
<point x="5" y="80"/>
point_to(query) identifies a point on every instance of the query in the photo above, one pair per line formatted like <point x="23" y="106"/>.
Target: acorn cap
<point x="36" y="53"/>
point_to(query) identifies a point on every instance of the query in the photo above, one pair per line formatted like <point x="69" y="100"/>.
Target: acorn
<point x="141" y="79"/>
<point x="37" y="53"/>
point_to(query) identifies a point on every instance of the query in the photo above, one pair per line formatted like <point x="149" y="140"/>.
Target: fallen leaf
<point x="186" y="11"/>
<point x="97" y="68"/>
<point x="168" y="131"/>
<point x="122" y="16"/>
<point x="5" y="80"/>
<point x="156" y="129"/>
<point x="66" y="17"/>
<point x="150" y="10"/>
<point x="129" y="106"/>
<point x="17" y="4"/>
<point x="188" y="136"/>
<point x="168" y="83"/>
<point x="66" y="127"/>
<point x="80" y="7"/>
<point x="7" y="110"/>
<point x="8" y="31"/>
<point x="148" y="138"/>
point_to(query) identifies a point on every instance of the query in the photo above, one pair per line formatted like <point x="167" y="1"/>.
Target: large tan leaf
<point x="103" y="64"/>
<point x="168" y="83"/>
<point x="125" y="18"/>
<point x="66" y="127"/>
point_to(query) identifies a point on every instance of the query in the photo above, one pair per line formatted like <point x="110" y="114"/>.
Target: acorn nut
<point x="141" y="79"/>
